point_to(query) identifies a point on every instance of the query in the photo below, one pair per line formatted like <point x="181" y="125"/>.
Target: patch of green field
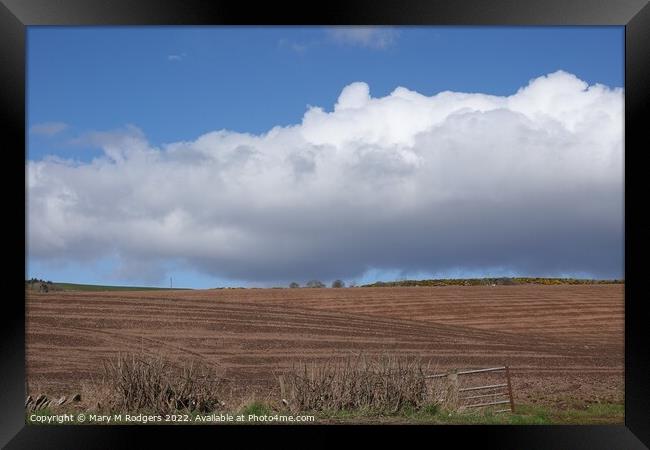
<point x="96" y="287"/>
<point x="594" y="414"/>
<point x="257" y="408"/>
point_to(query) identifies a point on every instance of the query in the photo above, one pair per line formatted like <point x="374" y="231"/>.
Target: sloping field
<point x="562" y="342"/>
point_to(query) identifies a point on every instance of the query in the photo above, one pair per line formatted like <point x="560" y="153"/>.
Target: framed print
<point x="355" y="216"/>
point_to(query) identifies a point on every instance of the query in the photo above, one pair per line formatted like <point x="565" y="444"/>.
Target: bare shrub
<point x="154" y="383"/>
<point x="384" y="384"/>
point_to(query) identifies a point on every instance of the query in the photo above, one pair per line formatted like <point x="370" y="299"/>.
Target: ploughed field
<point x="564" y="344"/>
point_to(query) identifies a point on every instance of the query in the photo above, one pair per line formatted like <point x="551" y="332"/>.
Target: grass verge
<point x="595" y="414"/>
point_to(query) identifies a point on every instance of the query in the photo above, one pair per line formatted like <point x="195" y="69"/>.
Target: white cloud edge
<point x="176" y="57"/>
<point x="376" y="37"/>
<point x="48" y="128"/>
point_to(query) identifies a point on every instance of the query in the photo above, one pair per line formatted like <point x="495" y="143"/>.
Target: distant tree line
<point x="318" y="284"/>
<point x="503" y="281"/>
<point x="41" y="285"/>
<point x="493" y="281"/>
<point x="37" y="280"/>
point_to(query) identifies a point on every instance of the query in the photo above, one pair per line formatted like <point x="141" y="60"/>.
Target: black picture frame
<point x="16" y="15"/>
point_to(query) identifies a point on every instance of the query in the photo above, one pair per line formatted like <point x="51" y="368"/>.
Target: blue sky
<point x="251" y="79"/>
<point x="177" y="83"/>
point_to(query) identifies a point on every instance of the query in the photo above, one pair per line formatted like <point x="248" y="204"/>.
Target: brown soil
<point x="564" y="344"/>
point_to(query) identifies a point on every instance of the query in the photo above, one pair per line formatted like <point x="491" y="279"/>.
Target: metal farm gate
<point x="494" y="392"/>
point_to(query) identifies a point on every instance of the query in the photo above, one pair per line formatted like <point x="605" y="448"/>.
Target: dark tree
<point x="338" y="284"/>
<point x="315" y="284"/>
<point x="294" y="285"/>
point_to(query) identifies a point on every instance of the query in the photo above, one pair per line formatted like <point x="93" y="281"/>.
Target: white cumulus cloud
<point x="378" y="37"/>
<point x="176" y="57"/>
<point x="48" y="128"/>
<point x="531" y="182"/>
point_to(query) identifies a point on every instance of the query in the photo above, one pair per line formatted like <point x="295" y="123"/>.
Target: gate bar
<point x="483" y="387"/>
<point x="492" y="369"/>
<point x="483" y="395"/>
<point x="465" y="372"/>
